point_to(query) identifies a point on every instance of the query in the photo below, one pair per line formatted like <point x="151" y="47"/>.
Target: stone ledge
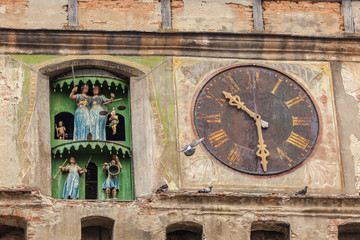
<point x="211" y="44"/>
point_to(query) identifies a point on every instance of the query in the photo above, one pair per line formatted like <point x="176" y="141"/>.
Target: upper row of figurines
<point x="90" y="120"/>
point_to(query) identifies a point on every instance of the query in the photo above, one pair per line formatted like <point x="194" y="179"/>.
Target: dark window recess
<point x="95" y="233"/>
<point x="97" y="228"/>
<point x="184" y="230"/>
<point x="264" y="230"/>
<point x="350" y="231"/>
<point x="68" y="122"/>
<point x="11" y="233"/>
<point x="91" y="181"/>
<point x="120" y="129"/>
<point x="183" y="234"/>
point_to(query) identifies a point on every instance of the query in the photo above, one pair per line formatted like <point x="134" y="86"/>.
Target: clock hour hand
<point x="235" y="101"/>
<point x="262" y="152"/>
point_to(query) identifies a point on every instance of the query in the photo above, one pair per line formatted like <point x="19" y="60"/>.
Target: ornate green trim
<point x="67" y="82"/>
<point x="75" y="145"/>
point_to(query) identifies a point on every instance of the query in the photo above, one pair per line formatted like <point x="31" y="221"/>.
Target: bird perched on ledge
<point x="190" y="149"/>
<point x="302" y="192"/>
<point x="163" y="188"/>
<point x="206" y="190"/>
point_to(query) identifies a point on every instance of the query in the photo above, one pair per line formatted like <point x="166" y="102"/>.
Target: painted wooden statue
<point x="98" y="121"/>
<point x="61" y="131"/>
<point x="71" y="185"/>
<point x="114" y="121"/>
<point x="111" y="183"/>
<point x="81" y="120"/>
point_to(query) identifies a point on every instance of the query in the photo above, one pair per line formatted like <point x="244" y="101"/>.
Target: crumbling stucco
<point x="12" y="78"/>
<point x="223" y="16"/>
<point x="302" y="17"/>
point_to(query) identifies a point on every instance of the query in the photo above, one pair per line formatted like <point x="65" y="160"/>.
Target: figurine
<point x="114" y="119"/>
<point x="61" y="131"/>
<point x="111" y="183"/>
<point x="71" y="185"/>
<point x="81" y="120"/>
<point x="98" y="121"/>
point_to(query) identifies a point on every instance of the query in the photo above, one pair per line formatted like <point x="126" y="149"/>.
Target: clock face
<point x="227" y="112"/>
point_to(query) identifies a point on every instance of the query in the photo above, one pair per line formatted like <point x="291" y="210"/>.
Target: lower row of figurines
<point x="71" y="185"/>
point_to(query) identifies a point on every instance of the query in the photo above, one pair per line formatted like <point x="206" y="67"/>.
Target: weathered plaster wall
<point x="211" y="15"/>
<point x="33" y="14"/>
<point x="302" y="17"/>
<point x="12" y="83"/>
<point x="280" y="17"/>
<point x="222" y="216"/>
<point x="347" y="89"/>
<point x="356" y="15"/>
<point x="140" y="15"/>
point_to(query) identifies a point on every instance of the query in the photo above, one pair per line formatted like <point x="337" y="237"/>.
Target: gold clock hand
<point x="262" y="152"/>
<point x="236" y="101"/>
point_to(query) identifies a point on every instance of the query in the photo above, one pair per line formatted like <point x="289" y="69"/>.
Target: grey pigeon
<point x="302" y="192"/>
<point x="190" y="149"/>
<point x="163" y="188"/>
<point x="206" y="190"/>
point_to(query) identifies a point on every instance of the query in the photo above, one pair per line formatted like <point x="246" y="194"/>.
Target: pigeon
<point x="190" y="149"/>
<point x="302" y="192"/>
<point x="206" y="190"/>
<point x="163" y="188"/>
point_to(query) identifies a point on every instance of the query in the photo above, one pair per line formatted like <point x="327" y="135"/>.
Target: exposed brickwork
<point x="14" y="6"/>
<point x="120" y="15"/>
<point x="211" y="16"/>
<point x="244" y="11"/>
<point x="119" y="5"/>
<point x="303" y="17"/>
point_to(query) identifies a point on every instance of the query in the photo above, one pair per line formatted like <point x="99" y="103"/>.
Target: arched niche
<point x="67" y="120"/>
<point x="13" y="228"/>
<point x="184" y="230"/>
<point x="261" y="230"/>
<point x="349" y="231"/>
<point x="97" y="228"/>
<point x="141" y="130"/>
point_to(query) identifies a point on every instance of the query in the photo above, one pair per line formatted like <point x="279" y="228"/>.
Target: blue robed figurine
<point x="98" y="121"/>
<point x="71" y="185"/>
<point x="81" y="120"/>
<point x="111" y="183"/>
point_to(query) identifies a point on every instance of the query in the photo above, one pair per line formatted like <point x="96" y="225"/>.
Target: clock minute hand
<point x="262" y="152"/>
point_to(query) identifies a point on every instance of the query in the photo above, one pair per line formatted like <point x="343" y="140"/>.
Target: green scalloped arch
<point x="110" y="82"/>
<point x="75" y="145"/>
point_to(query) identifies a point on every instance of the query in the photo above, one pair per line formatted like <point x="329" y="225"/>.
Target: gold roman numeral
<point x="298" y="141"/>
<point x="234" y="155"/>
<point x="276" y="86"/>
<point x="301" y="121"/>
<point x="283" y="155"/>
<point x="218" y="138"/>
<point x="294" y="101"/>
<point x="220" y="101"/>
<point x="215" y="118"/>
<point x="233" y="86"/>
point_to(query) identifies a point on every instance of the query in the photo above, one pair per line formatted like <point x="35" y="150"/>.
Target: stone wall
<point x="304" y="18"/>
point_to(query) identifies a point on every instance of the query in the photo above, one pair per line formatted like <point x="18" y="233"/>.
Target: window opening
<point x="184" y="230"/>
<point x="270" y="230"/>
<point x="350" y="231"/>
<point x="91" y="181"/>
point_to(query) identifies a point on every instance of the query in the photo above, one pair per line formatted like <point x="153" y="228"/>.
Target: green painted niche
<point x="62" y="108"/>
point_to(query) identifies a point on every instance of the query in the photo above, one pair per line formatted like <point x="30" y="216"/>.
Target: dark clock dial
<point x="226" y="109"/>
